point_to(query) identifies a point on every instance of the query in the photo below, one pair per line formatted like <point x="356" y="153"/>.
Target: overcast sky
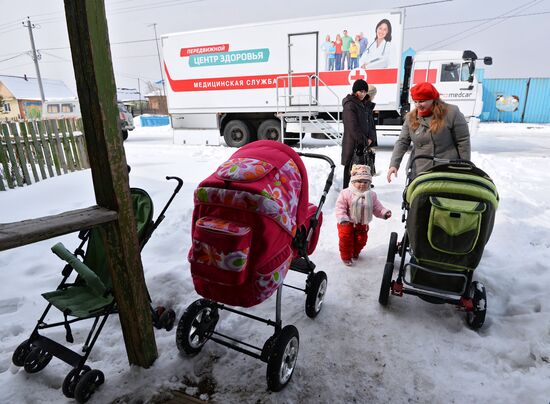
<point x="513" y="32"/>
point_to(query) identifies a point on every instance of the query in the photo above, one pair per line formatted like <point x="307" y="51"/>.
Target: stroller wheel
<point x="167" y="319"/>
<point x="385" y="286"/>
<point x="157" y="312"/>
<point x="392" y="248"/>
<point x="282" y="360"/>
<point x="476" y="317"/>
<point x="72" y="379"/>
<point x="196" y="325"/>
<point x="21" y="353"/>
<point x="88" y="384"/>
<point x="36" y="360"/>
<point x="315" y="294"/>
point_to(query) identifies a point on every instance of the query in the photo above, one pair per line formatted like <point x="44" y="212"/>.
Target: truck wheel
<point x="270" y="130"/>
<point x="236" y="133"/>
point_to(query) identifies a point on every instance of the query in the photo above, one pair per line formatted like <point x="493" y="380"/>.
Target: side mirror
<point x="488" y="60"/>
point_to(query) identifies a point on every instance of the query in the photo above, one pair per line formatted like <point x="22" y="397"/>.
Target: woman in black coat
<point x="359" y="129"/>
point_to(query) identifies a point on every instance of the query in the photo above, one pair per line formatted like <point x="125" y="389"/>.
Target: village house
<point x="20" y="96"/>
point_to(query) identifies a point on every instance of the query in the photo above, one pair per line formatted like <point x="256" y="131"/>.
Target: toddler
<point x="355" y="207"/>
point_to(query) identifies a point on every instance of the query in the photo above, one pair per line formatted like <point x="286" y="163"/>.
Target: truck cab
<point x="453" y="74"/>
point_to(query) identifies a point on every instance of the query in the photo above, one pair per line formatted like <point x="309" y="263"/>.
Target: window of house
<point x="7" y="107"/>
<point x="53" y="108"/>
<point x="67" y="108"/>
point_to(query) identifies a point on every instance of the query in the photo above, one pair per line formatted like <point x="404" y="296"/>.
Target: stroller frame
<point x="280" y="350"/>
<point x="470" y="298"/>
<point x="35" y="353"/>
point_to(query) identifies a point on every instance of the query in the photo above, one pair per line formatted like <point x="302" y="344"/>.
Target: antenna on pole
<point x="35" y="57"/>
<point x="154" y="25"/>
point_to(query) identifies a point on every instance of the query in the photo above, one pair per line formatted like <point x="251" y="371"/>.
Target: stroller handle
<point x="328" y="184"/>
<point x="160" y="217"/>
<point x="330" y="178"/>
<point x="179" y="180"/>
<point x="444" y="161"/>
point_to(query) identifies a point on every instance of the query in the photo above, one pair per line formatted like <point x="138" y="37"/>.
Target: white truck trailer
<point x="275" y="80"/>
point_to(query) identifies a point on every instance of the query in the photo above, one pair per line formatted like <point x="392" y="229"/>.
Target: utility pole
<point x="35" y="58"/>
<point x="139" y="94"/>
<point x="154" y="25"/>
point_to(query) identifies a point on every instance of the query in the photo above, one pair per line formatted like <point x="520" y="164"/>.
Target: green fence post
<point x="38" y="151"/>
<point x="11" y="157"/>
<point x="28" y="150"/>
<point x="20" y="153"/>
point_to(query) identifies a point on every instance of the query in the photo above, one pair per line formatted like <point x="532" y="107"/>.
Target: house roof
<point x="26" y="88"/>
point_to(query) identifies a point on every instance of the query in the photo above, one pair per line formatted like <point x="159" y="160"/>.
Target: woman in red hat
<point x="434" y="127"/>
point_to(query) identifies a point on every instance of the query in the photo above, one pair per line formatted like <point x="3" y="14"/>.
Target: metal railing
<point x="287" y="110"/>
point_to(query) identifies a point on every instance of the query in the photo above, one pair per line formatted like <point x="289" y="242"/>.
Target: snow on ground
<point x="355" y="350"/>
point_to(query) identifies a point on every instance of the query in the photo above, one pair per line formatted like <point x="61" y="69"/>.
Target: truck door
<point x="302" y="63"/>
<point x="455" y="88"/>
<point x="450" y="77"/>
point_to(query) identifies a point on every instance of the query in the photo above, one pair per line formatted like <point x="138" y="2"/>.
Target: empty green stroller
<point x="88" y="297"/>
<point x="449" y="212"/>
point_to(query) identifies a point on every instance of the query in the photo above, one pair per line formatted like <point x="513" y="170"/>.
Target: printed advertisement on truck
<point x="236" y="67"/>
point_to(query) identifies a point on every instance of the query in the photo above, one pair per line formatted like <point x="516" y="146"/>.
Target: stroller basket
<point x="424" y="278"/>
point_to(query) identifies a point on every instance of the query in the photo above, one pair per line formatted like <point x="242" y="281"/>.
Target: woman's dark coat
<point x="359" y="126"/>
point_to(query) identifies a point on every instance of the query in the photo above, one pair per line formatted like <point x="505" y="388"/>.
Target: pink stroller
<point x="252" y="222"/>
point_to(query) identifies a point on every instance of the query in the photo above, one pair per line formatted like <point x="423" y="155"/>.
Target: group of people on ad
<point x="434" y="128"/>
<point x="345" y="52"/>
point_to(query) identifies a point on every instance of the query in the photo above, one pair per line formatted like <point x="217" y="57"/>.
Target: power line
<point x="478" y="20"/>
<point x="16" y="66"/>
<point x="455" y="38"/>
<point x="425" y="4"/>
<point x="55" y="56"/>
<point x="151" y="6"/>
<point x="13" y="57"/>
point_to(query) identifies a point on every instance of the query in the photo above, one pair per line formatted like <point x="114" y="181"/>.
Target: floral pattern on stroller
<point x="252" y="223"/>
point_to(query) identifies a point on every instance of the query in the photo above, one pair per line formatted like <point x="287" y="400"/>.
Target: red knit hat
<point x="424" y="91"/>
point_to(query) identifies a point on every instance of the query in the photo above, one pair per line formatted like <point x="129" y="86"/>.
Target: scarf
<point x="425" y="113"/>
<point x="361" y="206"/>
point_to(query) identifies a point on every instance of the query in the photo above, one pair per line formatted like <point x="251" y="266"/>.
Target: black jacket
<point x="359" y="126"/>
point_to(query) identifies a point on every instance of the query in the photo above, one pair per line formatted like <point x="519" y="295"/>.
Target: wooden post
<point x="77" y="159"/>
<point x="88" y="35"/>
<point x="4" y="161"/>
<point x="12" y="158"/>
<point x="53" y="146"/>
<point x="20" y="153"/>
<point x="28" y="150"/>
<point x="42" y="132"/>
<point x="38" y="150"/>
<point x="58" y="141"/>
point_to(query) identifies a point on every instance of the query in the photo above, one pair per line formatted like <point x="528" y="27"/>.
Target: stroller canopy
<point x="283" y="197"/>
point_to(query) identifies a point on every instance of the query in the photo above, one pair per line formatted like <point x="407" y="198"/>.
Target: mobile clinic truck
<point x="275" y="79"/>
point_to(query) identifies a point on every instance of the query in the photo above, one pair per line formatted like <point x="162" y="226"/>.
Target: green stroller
<point x="90" y="296"/>
<point x="449" y="212"/>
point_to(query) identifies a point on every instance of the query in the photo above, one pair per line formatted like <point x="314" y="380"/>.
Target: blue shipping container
<point x="537" y="109"/>
<point x="504" y="99"/>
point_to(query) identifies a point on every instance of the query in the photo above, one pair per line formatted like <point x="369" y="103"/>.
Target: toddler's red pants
<point x="353" y="237"/>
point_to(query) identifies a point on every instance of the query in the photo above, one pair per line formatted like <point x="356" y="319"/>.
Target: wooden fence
<point x="40" y="149"/>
